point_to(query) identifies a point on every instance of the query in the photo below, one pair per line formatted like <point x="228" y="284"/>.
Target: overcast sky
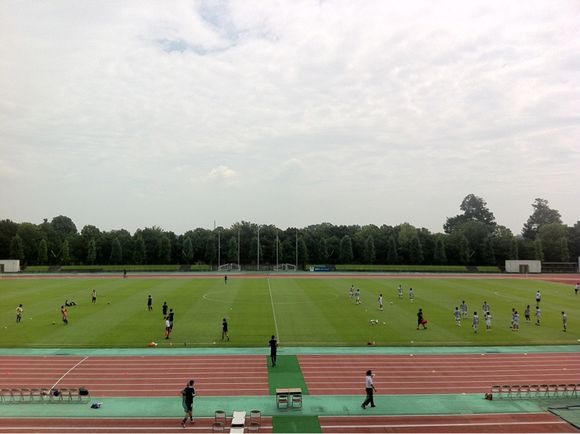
<point x="130" y="114"/>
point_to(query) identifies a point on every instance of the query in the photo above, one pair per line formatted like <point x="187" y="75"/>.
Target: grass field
<point x="301" y="311"/>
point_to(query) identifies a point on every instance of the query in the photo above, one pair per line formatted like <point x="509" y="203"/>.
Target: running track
<point x="432" y="374"/>
<point x="492" y="423"/>
<point x="159" y="376"/>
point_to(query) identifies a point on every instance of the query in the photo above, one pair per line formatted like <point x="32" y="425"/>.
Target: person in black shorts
<point x="421" y="320"/>
<point x="273" y="349"/>
<point x="187" y="396"/>
<point x="164" y="309"/>
<point x="94" y="296"/>
<point x="149" y="303"/>
<point x="226" y="279"/>
<point x="225" y="330"/>
<point x="170" y="319"/>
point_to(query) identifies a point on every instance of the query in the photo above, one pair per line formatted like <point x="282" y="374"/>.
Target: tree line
<point x="472" y="237"/>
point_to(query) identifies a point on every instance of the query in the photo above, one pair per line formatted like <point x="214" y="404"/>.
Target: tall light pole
<point x="239" y="268"/>
<point x="219" y="248"/>
<point x="258" y="248"/>
<point x="296" y="249"/>
<point x="277" y="244"/>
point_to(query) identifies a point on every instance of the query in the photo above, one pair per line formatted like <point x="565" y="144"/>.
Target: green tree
<point x="187" y="250"/>
<point x="346" y="253"/>
<point x="474" y="210"/>
<point x="551" y="235"/>
<point x="8" y="229"/>
<point x="464" y="251"/>
<point x="439" y="255"/>
<point x="302" y="252"/>
<point x="116" y="252"/>
<point x="542" y="215"/>
<point x="488" y="254"/>
<point x="415" y="251"/>
<point x="165" y="250"/>
<point x="64" y="227"/>
<point x="564" y="252"/>
<point x="323" y="250"/>
<point x="370" y="254"/>
<point x="43" y="252"/>
<point x="92" y="251"/>
<point x="139" y="256"/>
<point x="538" y="250"/>
<point x="16" y="248"/>
<point x="392" y="254"/>
<point x="65" y="253"/>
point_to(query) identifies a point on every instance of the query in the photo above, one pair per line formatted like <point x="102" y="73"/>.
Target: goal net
<point x="229" y="267"/>
<point x="285" y="267"/>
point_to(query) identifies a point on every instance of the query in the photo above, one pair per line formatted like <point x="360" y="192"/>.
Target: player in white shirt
<point x="457" y="316"/>
<point x="381" y="303"/>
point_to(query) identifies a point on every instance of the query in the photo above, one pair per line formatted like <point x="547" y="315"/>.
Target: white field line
<point x="273" y="311"/>
<point x="65" y="374"/>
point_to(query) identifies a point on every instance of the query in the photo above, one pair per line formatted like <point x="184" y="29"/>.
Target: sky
<point x="179" y="114"/>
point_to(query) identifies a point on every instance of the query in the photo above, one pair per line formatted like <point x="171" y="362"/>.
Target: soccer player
<point x="516" y="321"/>
<point x="527" y="313"/>
<point x="475" y="322"/>
<point x="19" y="311"/>
<point x="564" y="321"/>
<point x="167" y="328"/>
<point x="400" y="289"/>
<point x="411" y="295"/>
<point x="538" y="315"/>
<point x="488" y="321"/>
<point x="357" y="296"/>
<point x="225" y="329"/>
<point x="94" y="296"/>
<point x="381" y="304"/>
<point x="577" y="288"/>
<point x="463" y="306"/>
<point x="457" y="316"/>
<point x="485" y="308"/>
<point x="538" y="297"/>
<point x="351" y="291"/>
<point x="150" y="303"/>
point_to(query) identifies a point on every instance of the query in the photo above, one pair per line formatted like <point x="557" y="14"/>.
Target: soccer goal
<point x="285" y="267"/>
<point x="230" y="267"/>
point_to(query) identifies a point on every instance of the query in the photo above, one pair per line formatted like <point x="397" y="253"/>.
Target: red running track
<point x="111" y="425"/>
<point x="433" y="374"/>
<point x="488" y="423"/>
<point x="139" y="376"/>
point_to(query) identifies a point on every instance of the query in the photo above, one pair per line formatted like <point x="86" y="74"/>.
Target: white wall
<point x="513" y="266"/>
<point x="10" y="265"/>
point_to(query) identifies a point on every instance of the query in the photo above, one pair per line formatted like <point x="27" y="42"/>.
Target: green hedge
<point x="430" y="268"/>
<point x="115" y="268"/>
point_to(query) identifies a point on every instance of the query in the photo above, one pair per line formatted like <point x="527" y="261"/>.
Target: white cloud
<point x="392" y="111"/>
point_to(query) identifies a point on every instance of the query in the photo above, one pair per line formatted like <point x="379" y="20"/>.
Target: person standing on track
<point x="187" y="396"/>
<point x="370" y="389"/>
<point x="273" y="349"/>
<point x="225" y="330"/>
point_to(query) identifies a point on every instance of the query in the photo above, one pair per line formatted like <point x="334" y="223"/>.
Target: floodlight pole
<point x="277" y="243"/>
<point x="258" y="248"/>
<point x="219" y="248"/>
<point x="296" y="249"/>
<point x="239" y="268"/>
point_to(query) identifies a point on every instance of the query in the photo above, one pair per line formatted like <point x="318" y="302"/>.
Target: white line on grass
<point x="66" y="373"/>
<point x="273" y="311"/>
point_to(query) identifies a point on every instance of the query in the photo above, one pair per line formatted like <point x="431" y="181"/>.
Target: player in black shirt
<point x="187" y="395"/>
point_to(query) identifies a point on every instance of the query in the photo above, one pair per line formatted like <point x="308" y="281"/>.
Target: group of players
<point x="461" y="311"/>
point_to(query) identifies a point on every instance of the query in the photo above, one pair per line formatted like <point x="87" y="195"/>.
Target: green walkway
<point x="312" y="406"/>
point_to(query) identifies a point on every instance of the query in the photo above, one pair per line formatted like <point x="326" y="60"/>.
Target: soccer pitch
<point x="300" y="311"/>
